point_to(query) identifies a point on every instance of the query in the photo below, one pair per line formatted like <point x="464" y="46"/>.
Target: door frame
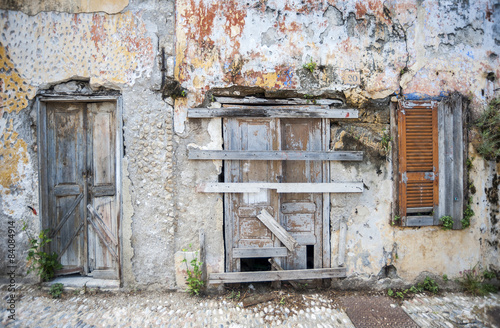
<point x="41" y="104"/>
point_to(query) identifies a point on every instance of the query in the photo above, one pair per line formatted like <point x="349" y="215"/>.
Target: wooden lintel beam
<point x="269" y="101"/>
<point x="201" y="154"/>
<point x="292" y="112"/>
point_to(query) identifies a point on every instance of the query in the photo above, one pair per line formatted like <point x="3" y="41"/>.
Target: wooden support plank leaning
<point x="280" y="232"/>
<point x="342" y="243"/>
<point x="258" y="276"/>
<point x="345" y="187"/>
<point x="203" y="256"/>
<point x="266" y="101"/>
<point x="292" y="112"/>
<point x="200" y="154"/>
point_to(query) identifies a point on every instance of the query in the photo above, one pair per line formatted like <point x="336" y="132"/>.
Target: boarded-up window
<point x="431" y="159"/>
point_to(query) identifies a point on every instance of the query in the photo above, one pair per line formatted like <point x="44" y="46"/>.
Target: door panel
<point x="301" y="214"/>
<point x="102" y="188"/>
<point x="244" y="229"/>
<point x="80" y="153"/>
<point x="65" y="165"/>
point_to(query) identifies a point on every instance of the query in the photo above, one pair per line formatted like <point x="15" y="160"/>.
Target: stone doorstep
<point x="80" y="282"/>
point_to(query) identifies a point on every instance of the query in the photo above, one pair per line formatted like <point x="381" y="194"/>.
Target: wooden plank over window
<point x="255" y="187"/>
<point x="418" y="162"/>
<point x="272" y="112"/>
<point x="273" y="155"/>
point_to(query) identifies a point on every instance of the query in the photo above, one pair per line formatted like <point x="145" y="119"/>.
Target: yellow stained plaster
<point x="267" y="80"/>
<point x="13" y="153"/>
<point x="14" y="90"/>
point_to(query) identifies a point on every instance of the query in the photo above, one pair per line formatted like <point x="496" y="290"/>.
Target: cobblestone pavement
<point x="35" y="308"/>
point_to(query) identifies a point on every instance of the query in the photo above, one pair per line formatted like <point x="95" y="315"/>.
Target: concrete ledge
<point x="89" y="282"/>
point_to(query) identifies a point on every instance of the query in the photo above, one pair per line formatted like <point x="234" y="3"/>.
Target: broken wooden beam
<point x="257" y="299"/>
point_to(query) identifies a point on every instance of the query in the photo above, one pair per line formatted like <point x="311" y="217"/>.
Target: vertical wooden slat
<point x="326" y="196"/>
<point x="342" y="243"/>
<point x="395" y="158"/>
<point x="458" y="175"/>
<point x="435" y="161"/>
<point x="402" y="163"/>
<point x="42" y="157"/>
<point x="448" y="159"/>
<point x="86" y="254"/>
<point x="228" y="237"/>
<point x="118" y="201"/>
<point x="441" y="209"/>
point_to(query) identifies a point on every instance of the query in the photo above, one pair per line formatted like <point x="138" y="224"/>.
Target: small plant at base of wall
<point x="193" y="280"/>
<point x="447" y="222"/>
<point x="472" y="281"/>
<point x="42" y="263"/>
<point x="56" y="290"/>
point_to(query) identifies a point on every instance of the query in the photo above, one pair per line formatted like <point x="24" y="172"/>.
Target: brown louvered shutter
<point x="418" y="163"/>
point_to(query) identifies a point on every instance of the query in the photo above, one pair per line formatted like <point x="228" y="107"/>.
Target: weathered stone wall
<point x="365" y="51"/>
<point x="115" y="51"/>
<point x="411" y="49"/>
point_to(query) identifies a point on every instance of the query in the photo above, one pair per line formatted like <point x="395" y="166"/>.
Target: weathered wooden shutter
<point x="418" y="163"/>
<point x="453" y="155"/>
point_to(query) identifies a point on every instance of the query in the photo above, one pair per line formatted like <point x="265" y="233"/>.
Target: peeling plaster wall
<point x="414" y="49"/>
<point x="410" y="49"/>
<point x="115" y="51"/>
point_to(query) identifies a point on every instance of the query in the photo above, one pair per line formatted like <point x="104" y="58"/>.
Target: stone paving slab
<point x="375" y="311"/>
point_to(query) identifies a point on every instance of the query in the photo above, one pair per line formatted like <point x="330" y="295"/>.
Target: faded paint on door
<point x="300" y="214"/>
<point x="80" y="159"/>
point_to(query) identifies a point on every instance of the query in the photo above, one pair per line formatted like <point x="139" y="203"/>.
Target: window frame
<point x="452" y="145"/>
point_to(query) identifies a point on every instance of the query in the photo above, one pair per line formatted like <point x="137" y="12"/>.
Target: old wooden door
<point x="243" y="230"/>
<point x="300" y="214"/>
<point x="79" y="197"/>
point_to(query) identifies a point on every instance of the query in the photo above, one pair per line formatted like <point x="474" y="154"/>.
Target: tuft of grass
<point x="311" y="66"/>
<point x="472" y="281"/>
<point x="489" y="128"/>
<point x="56" y="290"/>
